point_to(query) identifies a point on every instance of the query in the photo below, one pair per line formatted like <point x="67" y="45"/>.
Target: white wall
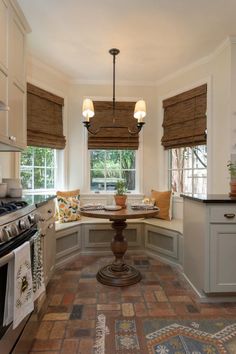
<point x="233" y="100"/>
<point x="78" y="142"/>
<point x="51" y="80"/>
<point x="7" y="164"/>
<point x="219" y="70"/>
<point x="55" y="82"/>
<point x="214" y="70"/>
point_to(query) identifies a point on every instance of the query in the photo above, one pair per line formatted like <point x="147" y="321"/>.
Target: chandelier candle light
<point x="139" y="110"/>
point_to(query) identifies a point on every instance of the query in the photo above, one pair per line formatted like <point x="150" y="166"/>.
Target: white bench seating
<point x="155" y="237"/>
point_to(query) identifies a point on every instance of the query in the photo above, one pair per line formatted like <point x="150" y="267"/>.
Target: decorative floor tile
<point x="125" y="326"/>
<point x="127" y="341"/>
<point x="76" y="313"/>
<point x="127" y="310"/>
<point x="137" y="317"/>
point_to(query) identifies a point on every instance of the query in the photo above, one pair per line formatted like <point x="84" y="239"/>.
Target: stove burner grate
<point x="7" y="207"/>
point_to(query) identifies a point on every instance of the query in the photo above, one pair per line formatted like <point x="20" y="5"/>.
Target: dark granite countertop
<point x="38" y="199"/>
<point x="210" y="198"/>
<point x="32" y="199"/>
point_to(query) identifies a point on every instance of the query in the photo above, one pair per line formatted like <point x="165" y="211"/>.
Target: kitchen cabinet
<point x="222" y="258"/>
<point x="47" y="228"/>
<point x="210" y="243"/>
<point x="13" y="29"/>
<point x="3" y="67"/>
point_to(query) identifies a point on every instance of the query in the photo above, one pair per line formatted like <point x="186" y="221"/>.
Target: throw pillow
<point x="163" y="200"/>
<point x="68" y="205"/>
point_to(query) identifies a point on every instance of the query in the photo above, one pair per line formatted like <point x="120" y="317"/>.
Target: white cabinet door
<point x="12" y="78"/>
<point x="17" y="122"/>
<point x="16" y="84"/>
<point x="17" y="52"/>
<point x="47" y="229"/>
<point x="49" y="251"/>
<point x="3" y="68"/>
<point x="3" y="35"/>
<point x="3" y="114"/>
<point x="222" y="258"/>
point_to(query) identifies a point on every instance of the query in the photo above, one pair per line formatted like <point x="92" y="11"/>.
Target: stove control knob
<point x="33" y="218"/>
<point x="5" y="234"/>
<point x="22" y="224"/>
<point x="13" y="230"/>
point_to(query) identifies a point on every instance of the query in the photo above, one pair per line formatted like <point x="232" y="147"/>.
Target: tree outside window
<point x="38" y="169"/>
<point x="108" y="166"/>
<point x="188" y="170"/>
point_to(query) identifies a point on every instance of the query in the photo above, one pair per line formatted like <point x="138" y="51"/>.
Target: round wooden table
<point x="119" y="273"/>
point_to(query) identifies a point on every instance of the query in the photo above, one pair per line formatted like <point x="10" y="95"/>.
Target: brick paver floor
<point x="75" y="299"/>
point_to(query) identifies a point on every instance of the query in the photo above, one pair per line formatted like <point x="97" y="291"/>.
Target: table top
<point x="122" y="214"/>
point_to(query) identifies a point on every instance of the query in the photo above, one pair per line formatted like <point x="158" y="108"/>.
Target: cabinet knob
<point x="50" y="226"/>
<point x="229" y="216"/>
<point x="12" y="138"/>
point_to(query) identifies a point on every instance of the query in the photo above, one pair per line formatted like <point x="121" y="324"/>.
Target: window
<point x="108" y="166"/>
<point x="188" y="170"/>
<point x="38" y="169"/>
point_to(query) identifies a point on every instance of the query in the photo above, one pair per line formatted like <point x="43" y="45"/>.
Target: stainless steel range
<point x="18" y="224"/>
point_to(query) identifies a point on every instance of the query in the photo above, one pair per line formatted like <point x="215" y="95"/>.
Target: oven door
<point x="8" y="336"/>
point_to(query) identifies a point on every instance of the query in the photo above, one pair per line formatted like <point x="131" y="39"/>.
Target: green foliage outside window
<point x="109" y="166"/>
<point x="38" y="166"/>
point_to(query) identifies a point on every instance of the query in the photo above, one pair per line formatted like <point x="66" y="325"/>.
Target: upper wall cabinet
<point x="3" y="34"/>
<point x="13" y="29"/>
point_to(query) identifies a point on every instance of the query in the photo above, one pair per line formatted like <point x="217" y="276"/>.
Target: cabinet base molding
<point x="213" y="298"/>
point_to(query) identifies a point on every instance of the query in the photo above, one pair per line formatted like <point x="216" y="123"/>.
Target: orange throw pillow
<point x="163" y="200"/>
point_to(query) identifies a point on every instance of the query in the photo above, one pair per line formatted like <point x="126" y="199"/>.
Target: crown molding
<point x="109" y="82"/>
<point x="204" y="60"/>
<point x="21" y="15"/>
<point x="36" y="62"/>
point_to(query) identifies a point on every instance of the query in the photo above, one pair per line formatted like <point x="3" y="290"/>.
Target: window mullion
<point x="33" y="171"/>
<point x="45" y="171"/>
<point x="105" y="170"/>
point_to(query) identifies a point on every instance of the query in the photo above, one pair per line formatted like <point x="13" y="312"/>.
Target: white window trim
<point x="163" y="174"/>
<point x="86" y="158"/>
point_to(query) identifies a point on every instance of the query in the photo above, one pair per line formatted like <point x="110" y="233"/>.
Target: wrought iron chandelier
<point x="139" y="110"/>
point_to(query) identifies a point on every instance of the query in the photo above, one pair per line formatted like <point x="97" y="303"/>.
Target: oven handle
<point x="5" y="259"/>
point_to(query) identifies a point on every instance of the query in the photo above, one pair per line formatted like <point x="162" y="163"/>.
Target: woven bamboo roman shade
<point x="44" y="119"/>
<point x="117" y="136"/>
<point x="184" y="121"/>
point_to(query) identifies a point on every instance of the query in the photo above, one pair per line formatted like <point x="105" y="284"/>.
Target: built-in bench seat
<point x="156" y="237"/>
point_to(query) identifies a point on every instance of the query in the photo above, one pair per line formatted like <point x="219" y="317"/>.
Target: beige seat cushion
<point x="163" y="200"/>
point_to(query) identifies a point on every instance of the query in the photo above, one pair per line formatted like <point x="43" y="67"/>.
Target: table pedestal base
<point x="118" y="273"/>
<point x="128" y="276"/>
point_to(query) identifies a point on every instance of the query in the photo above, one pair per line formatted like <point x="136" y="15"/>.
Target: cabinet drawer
<point x="223" y="214"/>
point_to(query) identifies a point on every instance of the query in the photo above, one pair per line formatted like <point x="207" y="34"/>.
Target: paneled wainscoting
<point x="89" y="236"/>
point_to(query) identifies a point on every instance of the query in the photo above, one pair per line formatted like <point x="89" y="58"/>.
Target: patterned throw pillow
<point x="68" y="205"/>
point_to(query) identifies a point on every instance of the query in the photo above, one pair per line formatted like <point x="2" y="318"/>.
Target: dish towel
<point x="37" y="267"/>
<point x="9" y="297"/>
<point x="23" y="287"/>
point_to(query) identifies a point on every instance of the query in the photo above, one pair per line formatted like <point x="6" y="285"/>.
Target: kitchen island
<point x="210" y="243"/>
